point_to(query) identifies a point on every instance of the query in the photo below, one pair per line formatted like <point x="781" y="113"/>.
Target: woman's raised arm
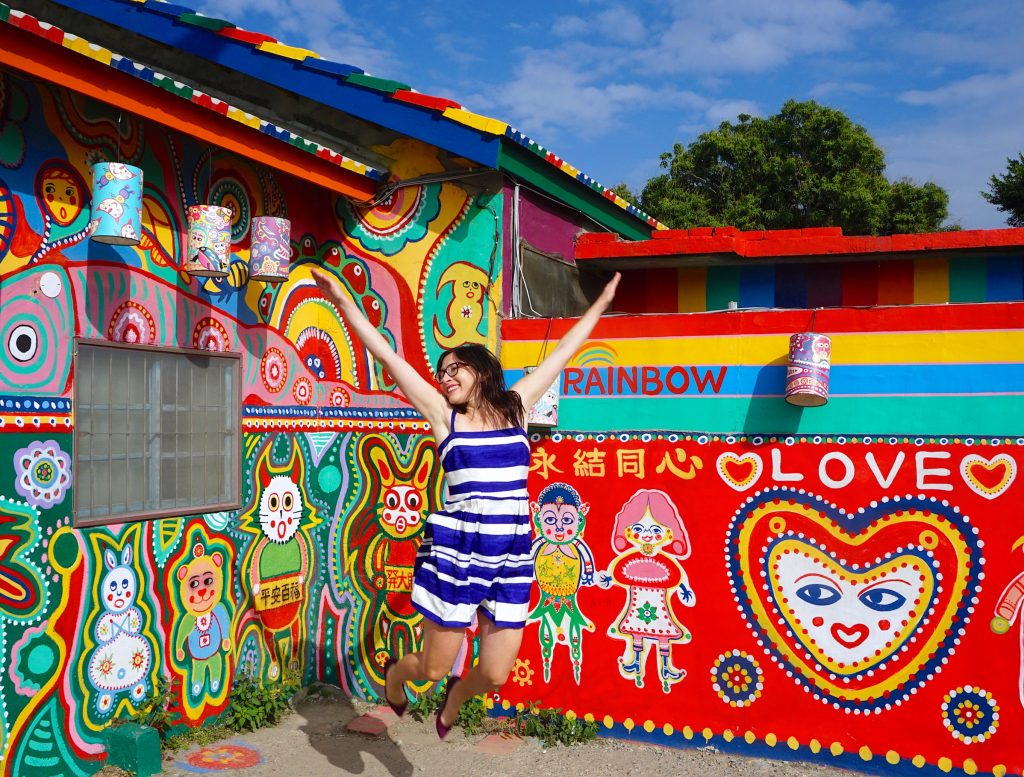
<point x="423" y="395"/>
<point x="533" y="385"/>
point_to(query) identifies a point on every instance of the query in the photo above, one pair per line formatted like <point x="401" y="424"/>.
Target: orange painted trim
<point x="49" y="62"/>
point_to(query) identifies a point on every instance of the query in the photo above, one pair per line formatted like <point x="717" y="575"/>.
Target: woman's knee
<point x="435" y="672"/>
<point x="494" y="676"/>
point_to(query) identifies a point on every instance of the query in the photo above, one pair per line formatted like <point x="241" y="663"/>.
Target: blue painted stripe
<point x="757" y="287"/>
<point x="1004" y="279"/>
<point x="791" y="286"/>
<point x="844" y="380"/>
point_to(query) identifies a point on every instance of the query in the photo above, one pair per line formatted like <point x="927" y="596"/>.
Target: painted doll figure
<point x="562" y="563"/>
<point x="649" y="537"/>
<point x="1008" y="609"/>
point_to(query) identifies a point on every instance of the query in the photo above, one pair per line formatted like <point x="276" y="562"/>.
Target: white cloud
<point x="731" y="36"/>
<point x="836" y="88"/>
<point x="983" y="87"/>
<point x="728" y="110"/>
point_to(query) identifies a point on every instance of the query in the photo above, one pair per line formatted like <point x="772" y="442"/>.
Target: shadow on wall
<point x="768" y="411"/>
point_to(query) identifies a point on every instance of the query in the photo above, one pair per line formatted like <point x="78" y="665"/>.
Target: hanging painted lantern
<point x="807" y="373"/>
<point x="116" y="204"/>
<point x="271" y="249"/>
<point x="209" y="241"/>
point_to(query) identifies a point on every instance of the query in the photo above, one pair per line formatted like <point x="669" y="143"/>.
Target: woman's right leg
<point x="441" y="645"/>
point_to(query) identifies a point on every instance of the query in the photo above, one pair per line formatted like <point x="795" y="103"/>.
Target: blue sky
<point x="609" y="86"/>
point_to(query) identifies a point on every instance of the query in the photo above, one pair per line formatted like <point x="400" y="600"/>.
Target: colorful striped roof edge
<point x="775" y="243"/>
<point x="104" y="56"/>
<point x="449" y="110"/>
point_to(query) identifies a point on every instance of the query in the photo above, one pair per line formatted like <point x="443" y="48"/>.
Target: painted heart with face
<point x="851" y="605"/>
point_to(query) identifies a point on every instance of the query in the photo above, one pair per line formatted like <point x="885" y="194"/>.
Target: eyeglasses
<point x="451" y="370"/>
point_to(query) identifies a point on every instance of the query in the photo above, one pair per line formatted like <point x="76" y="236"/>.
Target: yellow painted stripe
<point x="290" y="52"/>
<point x="974" y="347"/>
<point x="931" y="281"/>
<point x="91" y="50"/>
<point x="476" y="121"/>
<point x="243" y="117"/>
<point x="693" y="289"/>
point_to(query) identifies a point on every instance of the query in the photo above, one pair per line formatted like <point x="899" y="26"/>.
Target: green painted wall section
<point x="932" y="416"/>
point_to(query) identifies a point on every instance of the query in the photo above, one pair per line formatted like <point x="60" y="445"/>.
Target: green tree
<point x="806" y="166"/>
<point x="1006" y="192"/>
<point x="622" y="189"/>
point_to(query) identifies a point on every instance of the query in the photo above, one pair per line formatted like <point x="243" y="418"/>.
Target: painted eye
<point x="124" y="583"/>
<point x="391" y="501"/>
<point x="193" y="584"/>
<point x="113" y="585"/>
<point x="208" y="581"/>
<point x="23" y="342"/>
<point x="656" y="531"/>
<point x="289" y="501"/>
<point x="274" y="503"/>
<point x="819" y="594"/>
<point x="882" y="599"/>
<point x="551" y="519"/>
<point x="412" y="501"/>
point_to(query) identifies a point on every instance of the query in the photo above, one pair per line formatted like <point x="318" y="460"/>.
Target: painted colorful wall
<point x="323" y="429"/>
<point x="717" y="568"/>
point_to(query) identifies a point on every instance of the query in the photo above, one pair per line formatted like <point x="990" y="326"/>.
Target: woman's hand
<point x="608" y="294"/>
<point x="331" y="289"/>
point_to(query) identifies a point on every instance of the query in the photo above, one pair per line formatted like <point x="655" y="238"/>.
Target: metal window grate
<point x="157" y="432"/>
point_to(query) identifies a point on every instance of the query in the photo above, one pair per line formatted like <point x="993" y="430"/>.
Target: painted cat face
<point x="280" y="509"/>
<point x="402" y="509"/>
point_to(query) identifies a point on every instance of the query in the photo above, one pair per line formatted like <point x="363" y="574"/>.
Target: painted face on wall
<point x="559" y="522"/>
<point x="402" y="510"/>
<point x="648" y="534"/>
<point x="850" y="617"/>
<point x="61" y="194"/>
<point x="201" y="582"/>
<point x="280" y="509"/>
<point x="119" y="585"/>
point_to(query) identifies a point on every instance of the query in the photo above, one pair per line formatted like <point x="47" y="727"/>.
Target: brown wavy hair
<point x="497" y="402"/>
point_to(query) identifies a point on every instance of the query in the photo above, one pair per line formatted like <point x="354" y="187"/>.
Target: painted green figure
<point x="206" y="627"/>
<point x="562" y="564"/>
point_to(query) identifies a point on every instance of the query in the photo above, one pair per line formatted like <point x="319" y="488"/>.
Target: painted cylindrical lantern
<point x="271" y="249"/>
<point x="810" y="359"/>
<point x="209" y="241"/>
<point x="116" y="204"/>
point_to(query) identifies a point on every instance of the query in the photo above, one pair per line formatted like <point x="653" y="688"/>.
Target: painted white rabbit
<point x="122" y="658"/>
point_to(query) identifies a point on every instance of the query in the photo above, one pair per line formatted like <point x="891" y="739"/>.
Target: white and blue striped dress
<point x="476" y="551"/>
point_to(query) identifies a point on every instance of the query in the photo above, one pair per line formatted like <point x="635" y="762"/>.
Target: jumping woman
<point x="476" y="551"/>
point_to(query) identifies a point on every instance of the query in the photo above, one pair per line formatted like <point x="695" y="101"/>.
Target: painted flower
<point x="522" y="674"/>
<point x="43" y="473"/>
<point x="466" y="311"/>
<point x="737" y="679"/>
<point x="138" y="659"/>
<point x="106" y="666"/>
<point x="647" y="613"/>
<point x="970" y="714"/>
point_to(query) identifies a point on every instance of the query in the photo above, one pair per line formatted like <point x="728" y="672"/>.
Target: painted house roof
<point x="121" y="33"/>
<point x="730" y="246"/>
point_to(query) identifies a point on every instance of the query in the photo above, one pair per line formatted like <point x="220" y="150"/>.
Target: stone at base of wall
<point x="134" y="748"/>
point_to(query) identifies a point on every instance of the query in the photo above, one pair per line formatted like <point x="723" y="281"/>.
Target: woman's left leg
<point x="499" y="648"/>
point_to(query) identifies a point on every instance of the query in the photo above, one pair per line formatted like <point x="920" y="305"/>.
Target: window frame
<point x="108" y="519"/>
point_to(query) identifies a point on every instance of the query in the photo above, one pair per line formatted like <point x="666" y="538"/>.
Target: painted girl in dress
<point x="649" y="537"/>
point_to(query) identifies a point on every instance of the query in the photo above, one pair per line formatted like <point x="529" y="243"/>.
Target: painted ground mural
<point x="312" y="575"/>
<point x="857" y="599"/>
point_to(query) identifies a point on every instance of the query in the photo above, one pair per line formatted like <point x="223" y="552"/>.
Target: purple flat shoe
<point x="398" y="709"/>
<point x="442" y="729"/>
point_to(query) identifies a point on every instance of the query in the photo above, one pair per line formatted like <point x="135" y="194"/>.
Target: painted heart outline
<point x="980" y="474"/>
<point x="817" y="585"/>
<point x="739" y="471"/>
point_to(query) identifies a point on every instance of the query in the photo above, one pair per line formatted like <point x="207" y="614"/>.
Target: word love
<point x="931" y="470"/>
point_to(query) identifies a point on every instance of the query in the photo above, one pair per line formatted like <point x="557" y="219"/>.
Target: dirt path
<point x="316" y="740"/>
